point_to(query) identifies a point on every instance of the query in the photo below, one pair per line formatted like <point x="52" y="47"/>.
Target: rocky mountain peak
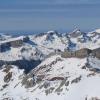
<point x="50" y="65"/>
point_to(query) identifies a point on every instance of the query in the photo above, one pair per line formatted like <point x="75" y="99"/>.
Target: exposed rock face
<point x="6" y="45"/>
<point x="50" y="35"/>
<point x="28" y="81"/>
<point x="96" y="53"/>
<point x="93" y="98"/>
<point x="7" y="78"/>
<point x="68" y="54"/>
<point x="75" y="33"/>
<point x="56" y="78"/>
<point x="22" y="64"/>
<point x="16" y="43"/>
<point x="82" y="53"/>
<point x="8" y="75"/>
<point x="55" y="75"/>
<point x="76" y="80"/>
<point x="7" y="68"/>
<point x="78" y="54"/>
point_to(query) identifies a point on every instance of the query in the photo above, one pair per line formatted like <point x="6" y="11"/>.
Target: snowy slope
<point x="4" y="36"/>
<point x="97" y="30"/>
<point x="55" y="77"/>
<point x="49" y="42"/>
<point x="26" y="51"/>
<point x="70" y="81"/>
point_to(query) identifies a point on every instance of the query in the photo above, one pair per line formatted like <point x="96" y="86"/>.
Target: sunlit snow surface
<point x="52" y="66"/>
<point x="72" y="67"/>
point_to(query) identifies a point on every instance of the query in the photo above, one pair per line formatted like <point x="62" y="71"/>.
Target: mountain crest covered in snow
<point x="50" y="65"/>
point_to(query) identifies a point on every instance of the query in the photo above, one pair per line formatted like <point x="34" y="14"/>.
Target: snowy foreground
<point x="55" y="77"/>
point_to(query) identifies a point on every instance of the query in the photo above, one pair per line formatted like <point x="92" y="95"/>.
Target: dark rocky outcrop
<point x="27" y="65"/>
<point x="76" y="80"/>
<point x="96" y="52"/>
<point x="8" y="77"/>
<point x="7" y="68"/>
<point x="56" y="78"/>
<point x="75" y="33"/>
<point x="28" y="81"/>
<point x="14" y="42"/>
<point x="78" y="54"/>
<point x="68" y="54"/>
<point x="82" y="53"/>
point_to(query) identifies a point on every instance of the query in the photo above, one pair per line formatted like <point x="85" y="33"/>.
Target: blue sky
<point x="43" y="15"/>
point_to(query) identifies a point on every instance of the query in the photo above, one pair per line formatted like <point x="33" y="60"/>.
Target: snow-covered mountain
<point x="45" y="43"/>
<point x="4" y="36"/>
<point x="49" y="74"/>
<point x="55" y="77"/>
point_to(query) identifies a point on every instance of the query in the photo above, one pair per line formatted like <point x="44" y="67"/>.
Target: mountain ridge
<point x="69" y="67"/>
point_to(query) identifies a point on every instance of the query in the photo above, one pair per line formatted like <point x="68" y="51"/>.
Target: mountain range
<point x="50" y="65"/>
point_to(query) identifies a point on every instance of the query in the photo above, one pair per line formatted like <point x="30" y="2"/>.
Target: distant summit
<point x="97" y="30"/>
